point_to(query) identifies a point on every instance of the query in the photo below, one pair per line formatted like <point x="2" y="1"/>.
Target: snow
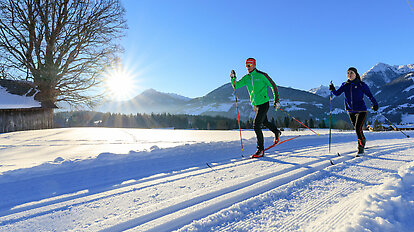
<point x="292" y="105"/>
<point x="380" y="67"/>
<point x="408" y="88"/>
<point x="12" y="101"/>
<point x="338" y="111"/>
<point x="90" y="179"/>
<point x="225" y="107"/>
<point x="386" y="207"/>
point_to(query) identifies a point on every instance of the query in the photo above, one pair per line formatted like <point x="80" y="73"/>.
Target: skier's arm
<point x="237" y="84"/>
<point x="339" y="91"/>
<point x="367" y="92"/>
<point x="273" y="86"/>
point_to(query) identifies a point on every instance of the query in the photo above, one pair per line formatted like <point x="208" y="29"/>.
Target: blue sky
<point x="189" y="47"/>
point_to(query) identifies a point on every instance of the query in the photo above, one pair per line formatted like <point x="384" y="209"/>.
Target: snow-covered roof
<point x="18" y="95"/>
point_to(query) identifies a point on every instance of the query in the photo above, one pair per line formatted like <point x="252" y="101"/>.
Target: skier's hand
<point x="374" y="107"/>
<point x="233" y="74"/>
<point x="331" y="87"/>
<point x="276" y="105"/>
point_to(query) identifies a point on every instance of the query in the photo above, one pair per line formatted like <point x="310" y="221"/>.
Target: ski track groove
<point x="309" y="167"/>
<point x="217" y="194"/>
<point x="106" y="192"/>
<point x="303" y="216"/>
<point x="342" y="213"/>
<point x="109" y="192"/>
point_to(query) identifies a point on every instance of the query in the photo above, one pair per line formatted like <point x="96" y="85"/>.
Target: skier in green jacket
<point x="257" y="82"/>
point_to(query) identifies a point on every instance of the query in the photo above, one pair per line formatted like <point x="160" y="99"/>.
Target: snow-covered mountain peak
<point x="381" y="73"/>
<point x="322" y="91"/>
<point x="380" y="67"/>
<point x="153" y="92"/>
<point x="402" y="69"/>
<point x="398" y="69"/>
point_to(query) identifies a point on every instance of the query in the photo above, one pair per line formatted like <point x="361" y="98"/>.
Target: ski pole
<point x="238" y="117"/>
<point x="393" y="125"/>
<point x="297" y="120"/>
<point x="330" y="120"/>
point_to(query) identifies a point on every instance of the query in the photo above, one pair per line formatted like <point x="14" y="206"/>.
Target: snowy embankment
<point x="91" y="179"/>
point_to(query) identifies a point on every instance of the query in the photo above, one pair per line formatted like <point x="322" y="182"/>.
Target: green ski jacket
<point x="257" y="83"/>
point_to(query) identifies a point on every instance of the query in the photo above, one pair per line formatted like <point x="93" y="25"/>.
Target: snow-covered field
<point x="92" y="179"/>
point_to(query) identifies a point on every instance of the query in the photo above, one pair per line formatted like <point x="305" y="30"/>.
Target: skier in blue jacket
<point x="354" y="89"/>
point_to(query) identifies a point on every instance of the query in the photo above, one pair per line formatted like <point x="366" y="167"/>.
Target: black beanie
<point x="355" y="71"/>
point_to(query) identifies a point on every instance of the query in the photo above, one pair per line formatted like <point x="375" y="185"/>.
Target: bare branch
<point x="63" y="44"/>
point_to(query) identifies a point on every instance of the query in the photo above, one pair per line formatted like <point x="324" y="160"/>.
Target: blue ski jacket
<point x="354" y="95"/>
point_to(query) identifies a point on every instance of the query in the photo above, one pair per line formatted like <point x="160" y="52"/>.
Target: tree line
<point x="180" y="121"/>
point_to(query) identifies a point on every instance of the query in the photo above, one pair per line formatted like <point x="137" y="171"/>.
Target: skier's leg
<point x="272" y="127"/>
<point x="359" y="124"/>
<point x="260" y="111"/>
<point x="353" y="118"/>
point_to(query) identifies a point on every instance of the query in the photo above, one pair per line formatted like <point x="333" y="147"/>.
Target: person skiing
<point x="257" y="82"/>
<point x="354" y="89"/>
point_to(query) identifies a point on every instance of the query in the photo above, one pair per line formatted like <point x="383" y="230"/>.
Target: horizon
<point x="293" y="87"/>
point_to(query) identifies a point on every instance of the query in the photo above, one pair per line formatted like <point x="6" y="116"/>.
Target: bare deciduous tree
<point x="60" y="45"/>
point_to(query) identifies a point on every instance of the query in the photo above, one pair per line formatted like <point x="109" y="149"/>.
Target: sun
<point x="120" y="84"/>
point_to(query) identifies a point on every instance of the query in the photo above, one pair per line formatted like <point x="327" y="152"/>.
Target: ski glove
<point x="374" y="107"/>
<point x="276" y="105"/>
<point x="233" y="74"/>
<point x="331" y="87"/>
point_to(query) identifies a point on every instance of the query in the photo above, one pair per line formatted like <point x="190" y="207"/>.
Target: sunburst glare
<point x="120" y="83"/>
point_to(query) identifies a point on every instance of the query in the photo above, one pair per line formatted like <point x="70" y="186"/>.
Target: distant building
<point x="386" y="127"/>
<point x="20" y="108"/>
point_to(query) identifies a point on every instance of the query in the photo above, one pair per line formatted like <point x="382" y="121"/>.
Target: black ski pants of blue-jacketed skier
<point x="261" y="118"/>
<point x="358" y="120"/>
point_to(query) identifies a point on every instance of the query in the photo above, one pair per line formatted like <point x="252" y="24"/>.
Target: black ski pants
<point x="358" y="120"/>
<point x="261" y="118"/>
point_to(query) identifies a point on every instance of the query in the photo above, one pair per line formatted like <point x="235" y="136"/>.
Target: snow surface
<point x="106" y="179"/>
<point x="12" y="101"/>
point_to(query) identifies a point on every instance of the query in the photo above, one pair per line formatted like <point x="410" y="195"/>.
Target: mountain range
<point x="392" y="86"/>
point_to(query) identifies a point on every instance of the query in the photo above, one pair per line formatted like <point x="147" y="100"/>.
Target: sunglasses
<point x="249" y="65"/>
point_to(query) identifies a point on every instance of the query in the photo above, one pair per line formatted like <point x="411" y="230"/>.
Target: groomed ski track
<point x="270" y="193"/>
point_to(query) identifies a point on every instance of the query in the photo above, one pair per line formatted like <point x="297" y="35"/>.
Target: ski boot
<point x="361" y="147"/>
<point x="259" y="153"/>
<point x="277" y="136"/>
<point x="361" y="151"/>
